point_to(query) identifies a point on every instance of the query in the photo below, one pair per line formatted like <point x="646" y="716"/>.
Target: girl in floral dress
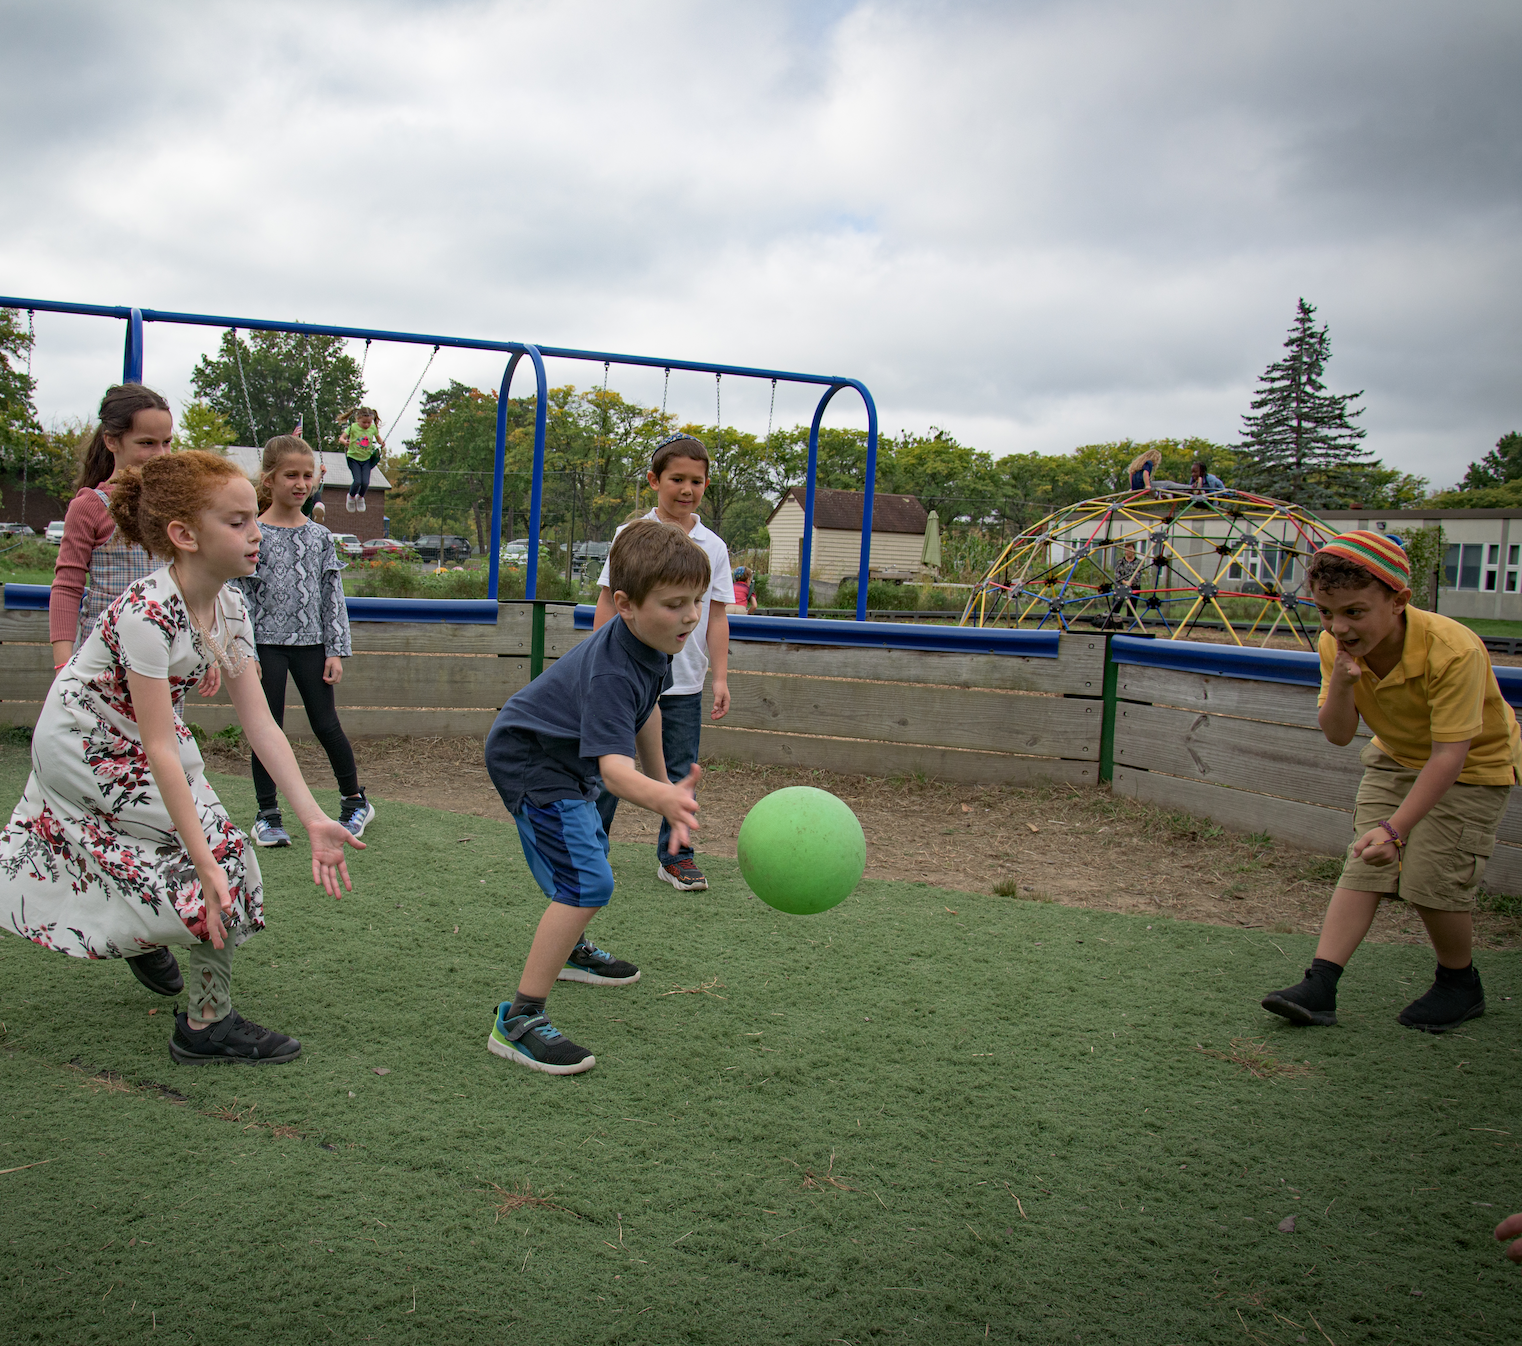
<point x="119" y="845"/>
<point x="134" y="426"/>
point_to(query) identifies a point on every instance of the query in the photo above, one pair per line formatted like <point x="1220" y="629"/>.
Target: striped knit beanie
<point x="1381" y="556"/>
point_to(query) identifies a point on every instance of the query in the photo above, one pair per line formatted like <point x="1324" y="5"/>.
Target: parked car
<point x="16" y="530"/>
<point x="54" y="532"/>
<point x="389" y="549"/>
<point x="514" y="554"/>
<point x="348" y="544"/>
<point x="444" y="548"/>
<point x="589" y="556"/>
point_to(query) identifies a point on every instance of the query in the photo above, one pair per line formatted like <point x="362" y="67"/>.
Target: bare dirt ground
<point x="1082" y="848"/>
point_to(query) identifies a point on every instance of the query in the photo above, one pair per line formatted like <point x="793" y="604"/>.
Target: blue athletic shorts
<point x="567" y="851"/>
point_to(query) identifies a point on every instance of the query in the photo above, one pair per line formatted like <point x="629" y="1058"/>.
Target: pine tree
<point x="1501" y="465"/>
<point x="1300" y="440"/>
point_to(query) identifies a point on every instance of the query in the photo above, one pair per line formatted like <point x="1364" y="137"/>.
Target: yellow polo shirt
<point x="1442" y="691"/>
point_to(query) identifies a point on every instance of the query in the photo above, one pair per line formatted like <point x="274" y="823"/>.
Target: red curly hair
<point x="149" y="498"/>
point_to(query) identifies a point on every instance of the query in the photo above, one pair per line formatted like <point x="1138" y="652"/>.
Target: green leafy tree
<point x="262" y="385"/>
<point x="445" y="475"/>
<point x="1501" y="465"/>
<point x="20" y="431"/>
<point x="202" y="426"/>
<point x="1299" y="439"/>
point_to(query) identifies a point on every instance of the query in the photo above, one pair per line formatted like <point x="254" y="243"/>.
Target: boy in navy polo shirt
<point x="578" y="724"/>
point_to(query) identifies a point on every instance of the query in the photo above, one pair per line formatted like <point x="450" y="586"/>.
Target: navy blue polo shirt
<point x="588" y="704"/>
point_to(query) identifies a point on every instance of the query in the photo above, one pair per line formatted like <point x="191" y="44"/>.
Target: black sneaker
<point x="1451" y="1001"/>
<point x="231" y="1039"/>
<point x="682" y="875"/>
<point x="588" y="963"/>
<point x="533" y="1041"/>
<point x="158" y="971"/>
<point x="1307" y="1004"/>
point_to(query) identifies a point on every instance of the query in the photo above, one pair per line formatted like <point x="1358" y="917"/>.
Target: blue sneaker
<point x="355" y="812"/>
<point x="588" y="963"/>
<point x="532" y="1040"/>
<point x="268" y="831"/>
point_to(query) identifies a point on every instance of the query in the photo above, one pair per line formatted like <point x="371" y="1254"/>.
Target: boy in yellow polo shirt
<point x="1445" y="754"/>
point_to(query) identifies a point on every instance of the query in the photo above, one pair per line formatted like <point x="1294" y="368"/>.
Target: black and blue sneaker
<point x="590" y="964"/>
<point x="533" y="1041"/>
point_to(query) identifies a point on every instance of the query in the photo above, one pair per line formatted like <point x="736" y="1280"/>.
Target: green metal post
<point x="536" y="642"/>
<point x="1107" y="723"/>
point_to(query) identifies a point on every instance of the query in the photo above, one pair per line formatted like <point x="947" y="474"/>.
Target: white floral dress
<point x="90" y="863"/>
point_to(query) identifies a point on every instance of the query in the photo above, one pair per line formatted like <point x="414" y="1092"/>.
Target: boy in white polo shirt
<point x="679" y="475"/>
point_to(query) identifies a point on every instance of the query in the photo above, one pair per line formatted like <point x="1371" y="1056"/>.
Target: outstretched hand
<point x="682" y="813"/>
<point x="328" y="838"/>
<point x="1511" y="1227"/>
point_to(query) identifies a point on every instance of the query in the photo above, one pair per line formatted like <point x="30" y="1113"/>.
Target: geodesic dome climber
<point x="1198" y="555"/>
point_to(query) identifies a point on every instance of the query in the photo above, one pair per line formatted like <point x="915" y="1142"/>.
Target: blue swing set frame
<point x="479" y="611"/>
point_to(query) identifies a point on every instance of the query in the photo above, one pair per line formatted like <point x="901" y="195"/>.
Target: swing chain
<point x="248" y="406"/>
<point x="666" y="388"/>
<point x="26" y="461"/>
<point x="718" y="413"/>
<point x="770" y="413"/>
<point x="412" y="394"/>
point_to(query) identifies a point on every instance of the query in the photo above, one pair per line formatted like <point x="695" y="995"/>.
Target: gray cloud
<point x="1036" y="225"/>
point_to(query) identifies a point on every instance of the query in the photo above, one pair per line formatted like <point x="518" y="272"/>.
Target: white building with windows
<point x="1482" y="555"/>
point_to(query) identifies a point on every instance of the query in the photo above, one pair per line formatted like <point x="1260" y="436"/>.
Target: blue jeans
<point x="681" y="725"/>
<point x="359" y="475"/>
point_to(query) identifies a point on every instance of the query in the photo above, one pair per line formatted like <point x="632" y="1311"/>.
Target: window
<point x="1492" y="560"/>
<point x="1469" y="565"/>
<point x="1511" y="568"/>
<point x="1451" y="565"/>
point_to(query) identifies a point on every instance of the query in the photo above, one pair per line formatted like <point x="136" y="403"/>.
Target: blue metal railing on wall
<point x="132" y="371"/>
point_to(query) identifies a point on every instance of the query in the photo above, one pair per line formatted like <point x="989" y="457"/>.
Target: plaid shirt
<point x="113" y="566"/>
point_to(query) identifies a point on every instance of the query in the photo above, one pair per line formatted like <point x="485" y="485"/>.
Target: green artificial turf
<point x="924" y="1116"/>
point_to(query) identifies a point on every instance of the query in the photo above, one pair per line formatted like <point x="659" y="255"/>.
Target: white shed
<point x="898" y="534"/>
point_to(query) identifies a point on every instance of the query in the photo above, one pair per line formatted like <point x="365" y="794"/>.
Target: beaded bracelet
<point x="1389" y="827"/>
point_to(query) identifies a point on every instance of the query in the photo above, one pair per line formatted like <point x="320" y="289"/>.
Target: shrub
<point x="899" y="597"/>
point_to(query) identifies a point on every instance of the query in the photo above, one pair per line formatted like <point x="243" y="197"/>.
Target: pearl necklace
<point x="224" y="653"/>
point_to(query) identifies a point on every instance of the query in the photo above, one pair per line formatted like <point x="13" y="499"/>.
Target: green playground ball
<point x="802" y="850"/>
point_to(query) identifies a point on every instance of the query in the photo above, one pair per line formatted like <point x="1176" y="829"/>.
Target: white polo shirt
<point x="690" y="667"/>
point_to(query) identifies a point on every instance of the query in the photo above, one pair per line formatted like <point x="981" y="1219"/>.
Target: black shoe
<point x="1453" y="999"/>
<point x="588" y="963"/>
<point x="1310" y="1003"/>
<point x="533" y="1041"/>
<point x="158" y="971"/>
<point x="231" y="1039"/>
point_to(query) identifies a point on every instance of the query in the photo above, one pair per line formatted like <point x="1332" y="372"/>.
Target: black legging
<point x="304" y="663"/>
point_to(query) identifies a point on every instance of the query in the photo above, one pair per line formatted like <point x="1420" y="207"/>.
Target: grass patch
<point x="921" y="1116"/>
<point x="1491" y="626"/>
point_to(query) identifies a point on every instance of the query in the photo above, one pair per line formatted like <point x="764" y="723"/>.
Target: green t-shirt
<point x="363" y="444"/>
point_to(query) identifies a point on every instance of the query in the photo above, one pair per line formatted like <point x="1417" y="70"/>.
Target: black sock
<point x="1324" y="971"/>
<point x="1462" y="975"/>
<point x="526" y="1004"/>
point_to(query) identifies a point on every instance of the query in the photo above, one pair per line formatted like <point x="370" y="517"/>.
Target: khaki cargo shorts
<point x="1444" y="857"/>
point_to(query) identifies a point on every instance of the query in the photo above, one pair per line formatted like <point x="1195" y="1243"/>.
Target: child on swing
<point x="301" y="627"/>
<point x="119" y="846"/>
<point x="363" y="443"/>
<point x="1437" y="775"/>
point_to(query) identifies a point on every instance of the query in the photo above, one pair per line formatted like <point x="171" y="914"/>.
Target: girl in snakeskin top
<point x="301" y="628"/>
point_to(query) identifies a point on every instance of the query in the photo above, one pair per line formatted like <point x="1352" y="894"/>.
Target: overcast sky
<point x="1034" y="224"/>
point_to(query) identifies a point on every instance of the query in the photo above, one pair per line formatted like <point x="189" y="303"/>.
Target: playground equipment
<point x="1193" y="552"/>
<point x="468" y="610"/>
